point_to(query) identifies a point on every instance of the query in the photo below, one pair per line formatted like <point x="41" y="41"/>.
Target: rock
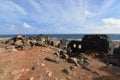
<point x="42" y="64"/>
<point x="57" y="57"/>
<point x="110" y="66"/>
<point x="17" y="77"/>
<point x="56" y="79"/>
<point x="9" y="41"/>
<point x="31" y="78"/>
<point x="19" y="73"/>
<point x="95" y="72"/>
<point x="10" y="47"/>
<point x="64" y="56"/>
<point x="18" y="43"/>
<point x="73" y="60"/>
<point x="67" y="71"/>
<point x="49" y="74"/>
<point x="1" y="71"/>
<point x="73" y="74"/>
<point x="15" y="72"/>
<point x="39" y="77"/>
<point x="69" y="78"/>
<point x="27" y="69"/>
<point x="72" y="67"/>
<point x="36" y="67"/>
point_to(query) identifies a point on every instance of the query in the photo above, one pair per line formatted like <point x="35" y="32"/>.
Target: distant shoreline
<point x="113" y="37"/>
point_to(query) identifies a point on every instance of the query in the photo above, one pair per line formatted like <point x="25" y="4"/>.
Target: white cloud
<point x="27" y="26"/>
<point x="112" y="21"/>
<point x="110" y="25"/>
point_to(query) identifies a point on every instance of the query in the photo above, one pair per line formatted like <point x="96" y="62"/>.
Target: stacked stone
<point x="116" y="52"/>
<point x="44" y="40"/>
<point x="99" y="43"/>
<point x="63" y="44"/>
<point x="19" y="42"/>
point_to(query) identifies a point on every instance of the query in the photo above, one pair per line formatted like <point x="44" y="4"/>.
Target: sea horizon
<point x="113" y="37"/>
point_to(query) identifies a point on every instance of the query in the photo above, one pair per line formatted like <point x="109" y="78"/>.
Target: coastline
<point x="113" y="37"/>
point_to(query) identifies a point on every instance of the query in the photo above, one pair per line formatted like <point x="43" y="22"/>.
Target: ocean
<point x="114" y="37"/>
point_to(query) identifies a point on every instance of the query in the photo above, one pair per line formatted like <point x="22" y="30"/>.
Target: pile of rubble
<point x="18" y="42"/>
<point x="80" y="61"/>
<point x="22" y="42"/>
<point x="115" y="58"/>
<point x="63" y="44"/>
<point x="100" y="45"/>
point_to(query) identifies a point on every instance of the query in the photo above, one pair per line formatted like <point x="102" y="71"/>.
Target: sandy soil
<point x="31" y="64"/>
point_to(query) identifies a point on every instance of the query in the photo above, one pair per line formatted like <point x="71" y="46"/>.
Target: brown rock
<point x="73" y="74"/>
<point x="15" y="72"/>
<point x="17" y="77"/>
<point x="31" y="78"/>
<point x="69" y="78"/>
<point x="73" y="60"/>
<point x="56" y="79"/>
<point x="64" y="56"/>
<point x="72" y="67"/>
<point x="49" y="74"/>
<point x="42" y="64"/>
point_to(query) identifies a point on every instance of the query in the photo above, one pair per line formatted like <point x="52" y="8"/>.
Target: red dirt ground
<point x="30" y="64"/>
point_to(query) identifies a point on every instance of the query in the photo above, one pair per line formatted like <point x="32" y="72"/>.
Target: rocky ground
<point x="37" y="63"/>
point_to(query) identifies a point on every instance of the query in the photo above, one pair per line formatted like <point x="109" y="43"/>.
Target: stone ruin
<point x="74" y="48"/>
<point x="100" y="43"/>
<point x="18" y="42"/>
<point x="41" y="40"/>
<point x="116" y="52"/>
<point x="103" y="45"/>
<point x="63" y="44"/>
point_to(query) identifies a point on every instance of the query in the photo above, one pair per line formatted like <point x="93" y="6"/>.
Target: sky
<point x="59" y="16"/>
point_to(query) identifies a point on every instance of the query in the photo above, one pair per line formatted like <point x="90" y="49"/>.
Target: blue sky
<point x="59" y="16"/>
